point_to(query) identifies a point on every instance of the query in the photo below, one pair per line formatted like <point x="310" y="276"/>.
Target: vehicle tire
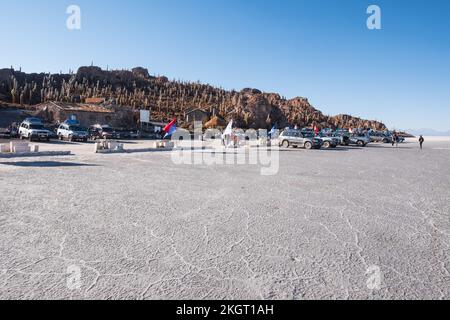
<point x="327" y="145"/>
<point x="361" y="143"/>
<point x="285" y="144"/>
<point x="308" y="145"/>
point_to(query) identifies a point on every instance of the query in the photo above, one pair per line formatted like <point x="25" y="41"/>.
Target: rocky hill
<point x="250" y="108"/>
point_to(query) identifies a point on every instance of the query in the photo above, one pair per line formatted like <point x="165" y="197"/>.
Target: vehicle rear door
<point x="298" y="138"/>
<point x="24" y="130"/>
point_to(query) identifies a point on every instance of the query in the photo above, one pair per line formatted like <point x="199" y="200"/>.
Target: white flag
<point x="229" y="129"/>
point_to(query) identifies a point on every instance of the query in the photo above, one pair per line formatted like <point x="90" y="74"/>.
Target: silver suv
<point x="295" y="138"/>
<point x="359" y="139"/>
<point x="329" y="142"/>
<point x="33" y="129"/>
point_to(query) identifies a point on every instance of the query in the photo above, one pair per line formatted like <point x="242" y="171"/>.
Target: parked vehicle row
<point x="71" y="130"/>
<point x="33" y="129"/>
<point x="308" y="139"/>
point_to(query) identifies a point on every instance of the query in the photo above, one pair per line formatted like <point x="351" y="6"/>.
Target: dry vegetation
<point x="250" y="108"/>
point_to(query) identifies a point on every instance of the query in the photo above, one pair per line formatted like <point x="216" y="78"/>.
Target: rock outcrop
<point x="250" y="108"/>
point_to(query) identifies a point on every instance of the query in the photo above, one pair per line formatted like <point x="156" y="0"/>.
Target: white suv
<point x="33" y="129"/>
<point x="72" y="132"/>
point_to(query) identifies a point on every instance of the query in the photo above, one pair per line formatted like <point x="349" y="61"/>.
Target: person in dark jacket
<point x="421" y="141"/>
<point x="394" y="139"/>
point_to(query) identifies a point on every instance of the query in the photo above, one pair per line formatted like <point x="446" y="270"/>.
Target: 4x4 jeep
<point x="360" y="140"/>
<point x="102" y="132"/>
<point x="380" y="137"/>
<point x="72" y="131"/>
<point x="33" y="129"/>
<point x="296" y="138"/>
<point x="329" y="142"/>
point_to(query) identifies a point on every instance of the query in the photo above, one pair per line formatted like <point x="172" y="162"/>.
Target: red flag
<point x="168" y="128"/>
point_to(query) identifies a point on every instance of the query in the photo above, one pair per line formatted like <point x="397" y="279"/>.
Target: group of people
<point x="396" y="139"/>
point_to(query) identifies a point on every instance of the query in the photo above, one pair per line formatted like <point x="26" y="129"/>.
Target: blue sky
<point x="318" y="49"/>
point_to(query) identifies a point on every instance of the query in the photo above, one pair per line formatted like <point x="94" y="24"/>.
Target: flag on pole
<point x="273" y="131"/>
<point x="316" y="130"/>
<point x="228" y="130"/>
<point x="170" y="128"/>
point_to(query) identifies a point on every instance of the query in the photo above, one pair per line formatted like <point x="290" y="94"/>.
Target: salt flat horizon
<point x="443" y="139"/>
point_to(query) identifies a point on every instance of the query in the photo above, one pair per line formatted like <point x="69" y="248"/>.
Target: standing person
<point x="421" y="141"/>
<point x="394" y="138"/>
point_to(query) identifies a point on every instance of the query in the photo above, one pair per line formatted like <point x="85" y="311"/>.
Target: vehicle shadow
<point x="46" y="164"/>
<point x="62" y="142"/>
<point x="338" y="149"/>
<point x="388" y="146"/>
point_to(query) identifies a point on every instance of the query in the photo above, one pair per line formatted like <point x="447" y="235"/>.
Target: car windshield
<point x="36" y="126"/>
<point x="76" y="128"/>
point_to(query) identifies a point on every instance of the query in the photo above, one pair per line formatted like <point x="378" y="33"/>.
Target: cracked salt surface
<point x="223" y="232"/>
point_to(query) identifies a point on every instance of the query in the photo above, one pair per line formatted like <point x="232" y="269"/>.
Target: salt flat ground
<point x="353" y="223"/>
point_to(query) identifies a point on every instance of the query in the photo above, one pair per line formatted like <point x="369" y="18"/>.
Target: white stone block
<point x="21" y="149"/>
<point x="112" y="145"/>
<point x="13" y="144"/>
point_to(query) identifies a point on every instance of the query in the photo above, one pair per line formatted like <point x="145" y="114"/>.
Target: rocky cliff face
<point x="250" y="108"/>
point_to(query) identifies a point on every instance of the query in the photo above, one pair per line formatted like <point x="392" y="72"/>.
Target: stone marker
<point x="21" y="149"/>
<point x="5" y="148"/>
